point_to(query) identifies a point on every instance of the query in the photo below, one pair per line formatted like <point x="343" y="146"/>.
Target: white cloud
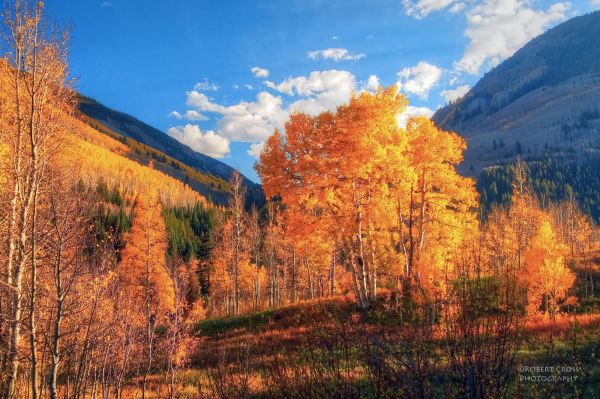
<point x="596" y="3"/>
<point x="419" y="79"/>
<point x="255" y="149"/>
<point x="421" y="8"/>
<point x="457" y="7"/>
<point x="336" y="54"/>
<point x="410" y="112"/>
<point x="208" y="143"/>
<point x="317" y="82"/>
<point x="260" y="72"/>
<point x="190" y="115"/>
<point x="246" y="121"/>
<point x="205" y="85"/>
<point x="253" y="121"/>
<point x="202" y="102"/>
<point x="498" y="28"/>
<point x="451" y="95"/>
<point x="318" y="92"/>
<point x="256" y="120"/>
<point x="249" y="87"/>
<point x="107" y="4"/>
<point x="372" y="83"/>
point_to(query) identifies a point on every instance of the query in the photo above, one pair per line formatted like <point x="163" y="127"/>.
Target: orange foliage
<point x="525" y="238"/>
<point x="131" y="178"/>
<point x="546" y="275"/>
<point x="143" y="265"/>
<point x="386" y="195"/>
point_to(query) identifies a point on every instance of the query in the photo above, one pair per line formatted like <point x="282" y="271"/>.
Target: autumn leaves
<point x="389" y="198"/>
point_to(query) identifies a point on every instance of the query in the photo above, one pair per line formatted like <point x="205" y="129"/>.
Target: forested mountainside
<point x="203" y="173"/>
<point x="553" y="179"/>
<point x="544" y="99"/>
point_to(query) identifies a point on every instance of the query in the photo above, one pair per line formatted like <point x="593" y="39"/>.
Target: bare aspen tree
<point x="255" y="232"/>
<point x="236" y="207"/>
<point x="36" y="63"/>
<point x="65" y="246"/>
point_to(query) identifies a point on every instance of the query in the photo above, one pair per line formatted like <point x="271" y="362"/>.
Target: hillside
<point x="88" y="151"/>
<point x="203" y="173"/>
<point x="545" y="99"/>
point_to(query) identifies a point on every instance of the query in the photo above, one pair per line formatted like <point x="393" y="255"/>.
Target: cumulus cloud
<point x="189" y="115"/>
<point x="410" y="112"/>
<point x="452" y="95"/>
<point x="419" y="79"/>
<point x="335" y="54"/>
<point x="318" y="92"/>
<point x="107" y="4"/>
<point x="202" y="102"/>
<point x="247" y="121"/>
<point x="596" y="3"/>
<point x="208" y="143"/>
<point x="260" y="72"/>
<point x="421" y="8"/>
<point x="254" y="121"/>
<point x="255" y="149"/>
<point x="498" y="28"/>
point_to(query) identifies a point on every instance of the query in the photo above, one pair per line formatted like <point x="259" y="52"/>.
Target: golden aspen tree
<point x="144" y="274"/>
<point x="438" y="212"/>
<point x="546" y="275"/>
<point x="366" y="180"/>
<point x="334" y="166"/>
<point x="525" y="237"/>
<point x="180" y="337"/>
<point x="221" y="282"/>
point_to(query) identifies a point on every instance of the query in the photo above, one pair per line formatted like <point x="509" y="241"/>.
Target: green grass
<point x="215" y="326"/>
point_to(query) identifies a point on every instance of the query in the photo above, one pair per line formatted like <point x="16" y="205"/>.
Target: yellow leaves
<point x="546" y="274"/>
<point x="272" y="158"/>
<point x="94" y="156"/>
<point x="143" y="264"/>
<point x="196" y="313"/>
<point x="357" y="178"/>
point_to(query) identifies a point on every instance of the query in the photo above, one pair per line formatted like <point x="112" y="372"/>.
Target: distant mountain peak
<point x="543" y="98"/>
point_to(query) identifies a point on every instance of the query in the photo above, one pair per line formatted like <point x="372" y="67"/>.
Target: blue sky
<point x="221" y="75"/>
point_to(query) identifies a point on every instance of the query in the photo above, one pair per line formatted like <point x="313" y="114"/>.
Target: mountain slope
<point x="544" y="99"/>
<point x="166" y="151"/>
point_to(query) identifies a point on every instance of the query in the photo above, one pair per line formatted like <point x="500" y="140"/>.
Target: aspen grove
<point x="109" y="266"/>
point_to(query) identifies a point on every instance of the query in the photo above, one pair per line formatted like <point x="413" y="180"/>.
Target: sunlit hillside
<point x="97" y="157"/>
